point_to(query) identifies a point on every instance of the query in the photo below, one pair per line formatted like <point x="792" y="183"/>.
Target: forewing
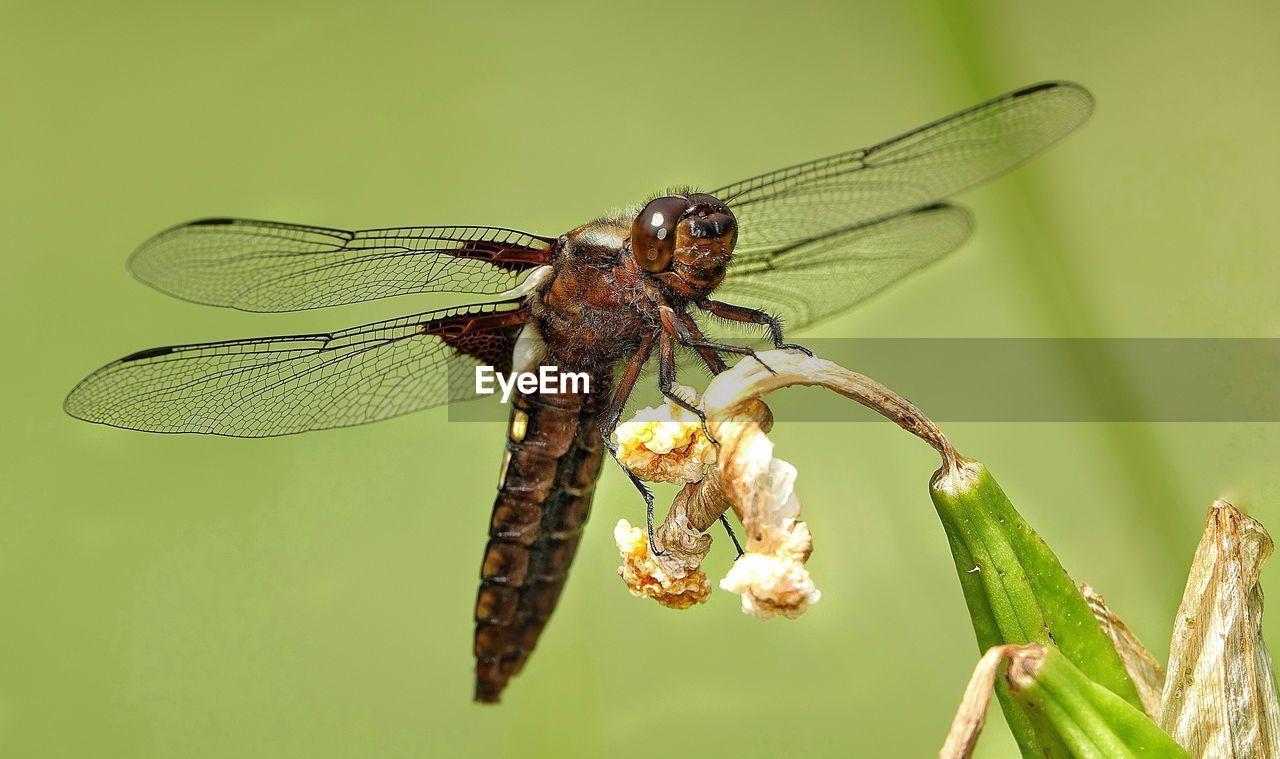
<point x="282" y="385"/>
<point x="270" y="266"/>
<point x="921" y="167"/>
<point x="812" y="280"/>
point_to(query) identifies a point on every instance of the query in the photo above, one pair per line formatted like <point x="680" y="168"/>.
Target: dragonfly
<point x="792" y="246"/>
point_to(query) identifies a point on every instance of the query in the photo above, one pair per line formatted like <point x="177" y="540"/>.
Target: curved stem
<point x="748" y="380"/>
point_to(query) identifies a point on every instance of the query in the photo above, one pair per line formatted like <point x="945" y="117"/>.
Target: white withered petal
<point x="665" y="444"/>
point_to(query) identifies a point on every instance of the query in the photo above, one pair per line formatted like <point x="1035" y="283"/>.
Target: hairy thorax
<point x="592" y="310"/>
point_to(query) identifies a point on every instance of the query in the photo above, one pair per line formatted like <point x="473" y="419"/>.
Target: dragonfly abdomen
<point x="549" y="470"/>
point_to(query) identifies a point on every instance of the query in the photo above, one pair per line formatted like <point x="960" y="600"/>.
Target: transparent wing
<point x="270" y="266"/>
<point x="282" y="385"/>
<point x="814" y="199"/>
<point x="812" y="280"/>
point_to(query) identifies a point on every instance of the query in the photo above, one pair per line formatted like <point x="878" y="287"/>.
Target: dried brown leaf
<point x="1143" y="668"/>
<point x="962" y="738"/>
<point x="1219" y="696"/>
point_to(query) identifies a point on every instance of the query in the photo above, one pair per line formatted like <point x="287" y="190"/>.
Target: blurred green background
<point x="311" y="596"/>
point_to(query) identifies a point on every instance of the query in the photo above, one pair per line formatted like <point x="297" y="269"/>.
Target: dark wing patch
<point x="147" y="353"/>
<point x="270" y="266"/>
<point x="281" y="385"/>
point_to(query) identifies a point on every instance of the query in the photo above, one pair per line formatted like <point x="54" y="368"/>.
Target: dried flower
<point x="773" y="584"/>
<point x="666" y="443"/>
<point x="645" y="575"/>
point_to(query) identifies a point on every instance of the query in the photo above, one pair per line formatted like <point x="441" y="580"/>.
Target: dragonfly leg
<point x="716" y="365"/>
<point x="752" y="316"/>
<point x="644" y="493"/>
<point x="622" y="391"/>
<point x="667" y="378"/>
<point x="724" y="520"/>
<point x="686" y="338"/>
<point x="609" y="422"/>
<point x="709" y="357"/>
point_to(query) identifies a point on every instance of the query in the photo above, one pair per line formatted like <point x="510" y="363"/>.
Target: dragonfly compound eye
<point x="653" y="233"/>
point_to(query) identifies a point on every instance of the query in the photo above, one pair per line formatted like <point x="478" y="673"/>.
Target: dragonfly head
<point x="686" y="241"/>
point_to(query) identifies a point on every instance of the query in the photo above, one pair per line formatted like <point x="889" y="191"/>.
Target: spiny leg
<point x="751" y="316"/>
<point x="666" y="378"/>
<point x="674" y="326"/>
<point x="713" y="362"/>
<point x="708" y="356"/>
<point x="716" y="365"/>
<point x="622" y="391"/>
<point x="688" y="330"/>
<point x="724" y="520"/>
<point x="687" y="339"/>
<point x="609" y="422"/>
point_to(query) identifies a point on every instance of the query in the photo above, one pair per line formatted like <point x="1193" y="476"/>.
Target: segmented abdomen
<point x="553" y="457"/>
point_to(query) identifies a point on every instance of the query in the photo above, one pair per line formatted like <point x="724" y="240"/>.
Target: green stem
<point x="1016" y="589"/>
<point x="1080" y="716"/>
